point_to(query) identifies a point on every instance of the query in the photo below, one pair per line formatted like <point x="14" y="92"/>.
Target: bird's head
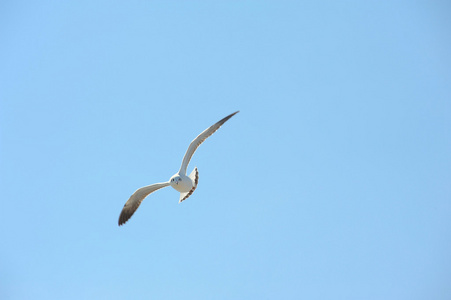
<point x="175" y="180"/>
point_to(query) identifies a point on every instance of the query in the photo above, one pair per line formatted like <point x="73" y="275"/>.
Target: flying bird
<point x="180" y="182"/>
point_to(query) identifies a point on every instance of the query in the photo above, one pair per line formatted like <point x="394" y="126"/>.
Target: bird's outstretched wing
<point x="135" y="200"/>
<point x="199" y="140"/>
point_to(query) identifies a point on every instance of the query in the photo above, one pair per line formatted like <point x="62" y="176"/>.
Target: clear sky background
<point x="333" y="182"/>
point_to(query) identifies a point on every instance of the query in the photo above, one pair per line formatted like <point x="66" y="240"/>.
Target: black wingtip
<point x="123" y="218"/>
<point x="222" y="121"/>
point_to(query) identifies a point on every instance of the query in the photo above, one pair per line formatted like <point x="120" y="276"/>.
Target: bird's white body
<point x="180" y="182"/>
<point x="185" y="184"/>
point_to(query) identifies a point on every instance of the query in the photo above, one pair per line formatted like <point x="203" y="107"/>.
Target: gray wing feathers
<point x="135" y="200"/>
<point x="199" y="140"/>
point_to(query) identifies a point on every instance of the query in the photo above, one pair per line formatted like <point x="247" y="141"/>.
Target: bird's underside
<point x="194" y="176"/>
<point x="186" y="185"/>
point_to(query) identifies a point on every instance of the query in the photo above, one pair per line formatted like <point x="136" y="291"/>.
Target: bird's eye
<point x="172" y="179"/>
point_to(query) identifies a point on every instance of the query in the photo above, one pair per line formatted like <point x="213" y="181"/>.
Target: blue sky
<point x="333" y="182"/>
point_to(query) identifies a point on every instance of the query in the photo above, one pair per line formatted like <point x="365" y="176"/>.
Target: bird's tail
<point x="195" y="178"/>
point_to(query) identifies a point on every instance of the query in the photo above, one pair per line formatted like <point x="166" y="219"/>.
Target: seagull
<point x="180" y="182"/>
